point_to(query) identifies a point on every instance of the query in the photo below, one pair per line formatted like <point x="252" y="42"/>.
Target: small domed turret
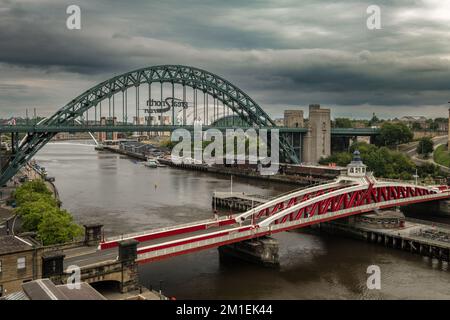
<point x="356" y="168"/>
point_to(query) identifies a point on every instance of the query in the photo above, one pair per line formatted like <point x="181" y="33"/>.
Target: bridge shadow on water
<point x="312" y="266"/>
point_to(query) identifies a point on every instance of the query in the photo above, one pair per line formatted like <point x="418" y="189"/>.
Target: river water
<point x="126" y="196"/>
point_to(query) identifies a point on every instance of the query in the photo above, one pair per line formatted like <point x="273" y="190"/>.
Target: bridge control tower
<point x="356" y="168"/>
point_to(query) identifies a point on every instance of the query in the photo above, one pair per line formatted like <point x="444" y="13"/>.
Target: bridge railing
<point x="364" y="208"/>
<point x="260" y="231"/>
<point x="419" y="182"/>
<point x="162" y="229"/>
<point x="299" y="189"/>
<point x="201" y="243"/>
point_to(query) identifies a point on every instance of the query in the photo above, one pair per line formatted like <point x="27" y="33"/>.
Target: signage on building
<point x="165" y="105"/>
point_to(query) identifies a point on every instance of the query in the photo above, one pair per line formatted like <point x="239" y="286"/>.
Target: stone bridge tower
<point x="317" y="142"/>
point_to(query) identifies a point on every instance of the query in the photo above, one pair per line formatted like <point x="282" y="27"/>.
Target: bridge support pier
<point x="127" y="257"/>
<point x="262" y="251"/>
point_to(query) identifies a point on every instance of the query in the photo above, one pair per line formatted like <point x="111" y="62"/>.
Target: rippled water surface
<point x="126" y="196"/>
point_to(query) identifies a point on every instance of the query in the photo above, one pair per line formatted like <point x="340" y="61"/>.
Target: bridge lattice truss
<point x="299" y="209"/>
<point x="199" y="80"/>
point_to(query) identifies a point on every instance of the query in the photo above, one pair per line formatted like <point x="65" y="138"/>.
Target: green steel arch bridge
<point x="118" y="100"/>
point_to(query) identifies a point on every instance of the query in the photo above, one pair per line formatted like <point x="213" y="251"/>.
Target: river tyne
<point x="125" y="196"/>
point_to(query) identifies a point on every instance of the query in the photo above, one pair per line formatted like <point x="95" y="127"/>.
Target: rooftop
<point x="44" y="289"/>
<point x="10" y="244"/>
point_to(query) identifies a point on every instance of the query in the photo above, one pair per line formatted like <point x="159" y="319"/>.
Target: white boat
<point x="151" y="163"/>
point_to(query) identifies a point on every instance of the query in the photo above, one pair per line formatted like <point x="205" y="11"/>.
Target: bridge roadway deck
<point x="165" y="242"/>
<point x="127" y="127"/>
<point x="86" y="256"/>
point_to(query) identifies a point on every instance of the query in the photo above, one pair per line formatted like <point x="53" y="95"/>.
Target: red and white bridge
<point x="351" y="194"/>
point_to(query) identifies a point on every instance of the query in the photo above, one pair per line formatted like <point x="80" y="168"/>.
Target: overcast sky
<point x="283" y="53"/>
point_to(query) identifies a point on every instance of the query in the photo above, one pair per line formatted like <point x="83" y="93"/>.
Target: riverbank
<point x="226" y="171"/>
<point x="9" y="221"/>
<point x="415" y="236"/>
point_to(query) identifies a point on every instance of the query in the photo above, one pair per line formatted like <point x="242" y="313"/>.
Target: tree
<point x="342" y="123"/>
<point x="383" y="162"/>
<point x="32" y="191"/>
<point x="434" y="125"/>
<point x="393" y="133"/>
<point x="425" y="146"/>
<point x="374" y="120"/>
<point x="58" y="227"/>
<point x="340" y="158"/>
<point x="416" y="126"/>
<point x="32" y="212"/>
<point x="40" y="213"/>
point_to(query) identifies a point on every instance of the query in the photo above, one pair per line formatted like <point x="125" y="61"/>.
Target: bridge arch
<point x="206" y="82"/>
<point x="353" y="199"/>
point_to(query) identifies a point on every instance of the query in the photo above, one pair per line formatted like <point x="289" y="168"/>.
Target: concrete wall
<point x="317" y="143"/>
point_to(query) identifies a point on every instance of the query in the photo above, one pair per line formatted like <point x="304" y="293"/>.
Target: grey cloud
<point x="280" y="52"/>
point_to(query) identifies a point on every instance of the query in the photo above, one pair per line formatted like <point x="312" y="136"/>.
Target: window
<point x="21" y="263"/>
<point x="1" y="290"/>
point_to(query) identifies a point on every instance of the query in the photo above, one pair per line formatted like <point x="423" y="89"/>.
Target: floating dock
<point x="416" y="236"/>
<point x="237" y="201"/>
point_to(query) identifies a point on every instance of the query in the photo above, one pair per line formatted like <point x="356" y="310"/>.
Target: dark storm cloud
<point x="283" y="53"/>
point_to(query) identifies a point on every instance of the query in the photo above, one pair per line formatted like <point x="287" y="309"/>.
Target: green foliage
<point x="382" y="161"/>
<point x="374" y="120"/>
<point x="429" y="170"/>
<point x="39" y="212"/>
<point x="58" y="227"/>
<point x="393" y="133"/>
<point x="343" y="123"/>
<point x="434" y="126"/>
<point x="340" y="158"/>
<point x="31" y="191"/>
<point x="442" y="156"/>
<point x="168" y="144"/>
<point x="425" y="146"/>
<point x="32" y="212"/>
<point x="416" y="126"/>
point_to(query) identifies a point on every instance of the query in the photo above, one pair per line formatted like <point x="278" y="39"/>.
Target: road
<point x="86" y="256"/>
<point x="410" y="150"/>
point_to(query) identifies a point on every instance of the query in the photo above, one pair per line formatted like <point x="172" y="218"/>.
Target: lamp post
<point x="416" y="176"/>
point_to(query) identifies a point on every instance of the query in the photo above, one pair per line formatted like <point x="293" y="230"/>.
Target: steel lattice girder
<point x="285" y="204"/>
<point x="352" y="199"/>
<point x="219" y="88"/>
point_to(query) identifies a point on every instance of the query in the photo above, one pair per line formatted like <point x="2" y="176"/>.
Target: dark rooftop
<point x="44" y="289"/>
<point x="9" y="244"/>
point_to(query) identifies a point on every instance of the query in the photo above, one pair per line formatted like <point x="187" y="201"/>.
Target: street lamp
<point x="416" y="176"/>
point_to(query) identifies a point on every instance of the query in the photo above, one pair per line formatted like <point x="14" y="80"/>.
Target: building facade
<point x="20" y="262"/>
